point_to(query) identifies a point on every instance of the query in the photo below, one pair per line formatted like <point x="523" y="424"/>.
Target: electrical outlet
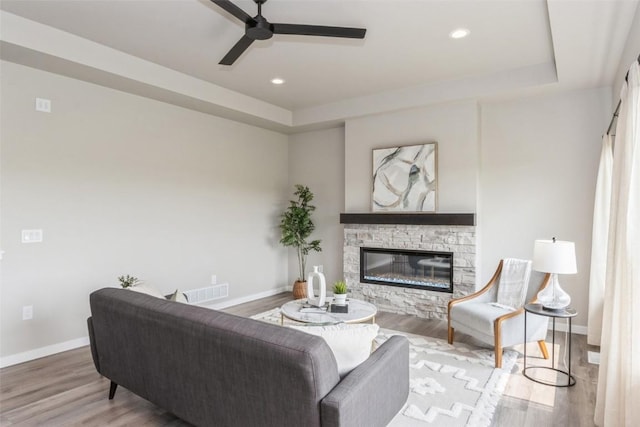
<point x="214" y="279"/>
<point x="27" y="312"/>
<point x="43" y="105"/>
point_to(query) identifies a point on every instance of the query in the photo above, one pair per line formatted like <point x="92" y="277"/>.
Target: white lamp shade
<point x="557" y="257"/>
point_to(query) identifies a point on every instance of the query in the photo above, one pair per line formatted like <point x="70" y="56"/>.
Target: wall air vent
<point x="209" y="293"/>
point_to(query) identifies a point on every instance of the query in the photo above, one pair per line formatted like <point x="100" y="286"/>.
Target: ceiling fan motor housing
<point x="260" y="30"/>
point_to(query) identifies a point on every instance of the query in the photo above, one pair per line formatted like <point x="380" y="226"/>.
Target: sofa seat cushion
<point x="478" y="316"/>
<point x="351" y="344"/>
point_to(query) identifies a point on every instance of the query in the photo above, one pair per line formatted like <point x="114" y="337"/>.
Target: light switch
<point x="31" y="236"/>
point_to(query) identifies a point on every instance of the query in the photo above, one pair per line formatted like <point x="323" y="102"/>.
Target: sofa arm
<point x="92" y="343"/>
<point x="373" y="393"/>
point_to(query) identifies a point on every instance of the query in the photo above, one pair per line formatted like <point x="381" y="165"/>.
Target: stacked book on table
<point x="331" y="308"/>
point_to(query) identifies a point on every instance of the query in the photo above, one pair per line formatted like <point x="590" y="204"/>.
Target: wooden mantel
<point x="409" y="218"/>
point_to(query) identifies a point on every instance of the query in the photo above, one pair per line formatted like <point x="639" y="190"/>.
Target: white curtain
<point x="618" y="397"/>
<point x="600" y="236"/>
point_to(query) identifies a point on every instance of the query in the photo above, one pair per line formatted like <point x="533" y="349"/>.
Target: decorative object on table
<point x="554" y="257"/>
<point x="339" y="308"/>
<point x="322" y="288"/>
<point x="128" y="281"/>
<point x="405" y="178"/>
<point x="296" y="226"/>
<point x="339" y="293"/>
<point x="443" y="377"/>
<point x="309" y="308"/>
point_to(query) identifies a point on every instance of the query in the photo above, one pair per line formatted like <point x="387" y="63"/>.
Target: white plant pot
<point x="339" y="299"/>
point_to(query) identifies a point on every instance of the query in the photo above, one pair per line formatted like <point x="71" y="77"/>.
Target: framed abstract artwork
<point x="405" y="179"/>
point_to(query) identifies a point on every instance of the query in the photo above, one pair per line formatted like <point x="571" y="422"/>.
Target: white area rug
<point x="451" y="385"/>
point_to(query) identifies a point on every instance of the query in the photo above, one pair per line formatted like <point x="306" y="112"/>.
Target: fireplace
<point x="458" y="239"/>
<point x="417" y="269"/>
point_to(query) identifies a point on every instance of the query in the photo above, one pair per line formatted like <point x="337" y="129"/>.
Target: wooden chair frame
<point x="497" y="323"/>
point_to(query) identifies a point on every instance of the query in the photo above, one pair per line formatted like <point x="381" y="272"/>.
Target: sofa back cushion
<point x="209" y="367"/>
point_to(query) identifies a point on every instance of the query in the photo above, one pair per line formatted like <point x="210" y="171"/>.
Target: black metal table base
<point x="568" y="314"/>
<point x="571" y="381"/>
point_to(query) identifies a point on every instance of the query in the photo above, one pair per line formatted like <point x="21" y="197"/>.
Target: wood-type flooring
<point x="65" y="389"/>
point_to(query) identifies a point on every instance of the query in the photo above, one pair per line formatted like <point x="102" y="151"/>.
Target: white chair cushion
<point x="478" y="316"/>
<point x="351" y="344"/>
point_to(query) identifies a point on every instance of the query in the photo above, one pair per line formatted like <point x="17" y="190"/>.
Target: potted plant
<point x="340" y="293"/>
<point x="128" y="281"/>
<point x="296" y="226"/>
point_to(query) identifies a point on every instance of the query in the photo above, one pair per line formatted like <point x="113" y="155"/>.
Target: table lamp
<point x="555" y="257"/>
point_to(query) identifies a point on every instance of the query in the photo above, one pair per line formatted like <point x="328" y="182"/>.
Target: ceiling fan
<point x="258" y="28"/>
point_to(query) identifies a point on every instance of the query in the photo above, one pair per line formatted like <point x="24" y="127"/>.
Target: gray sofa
<point x="215" y="369"/>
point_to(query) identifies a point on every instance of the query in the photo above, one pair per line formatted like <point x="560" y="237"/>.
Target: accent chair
<point x="480" y="316"/>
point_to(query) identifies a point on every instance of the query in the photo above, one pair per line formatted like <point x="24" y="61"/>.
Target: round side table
<point x="566" y="313"/>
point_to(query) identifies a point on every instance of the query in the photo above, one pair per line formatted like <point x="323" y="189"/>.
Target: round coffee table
<point x="359" y="311"/>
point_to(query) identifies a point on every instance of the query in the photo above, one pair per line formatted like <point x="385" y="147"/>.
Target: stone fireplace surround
<point x="366" y="231"/>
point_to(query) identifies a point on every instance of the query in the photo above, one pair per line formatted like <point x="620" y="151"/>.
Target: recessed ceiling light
<point x="277" y="81"/>
<point x="459" y="33"/>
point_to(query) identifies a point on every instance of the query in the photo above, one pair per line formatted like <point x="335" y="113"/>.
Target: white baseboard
<point x="37" y="353"/>
<point x="562" y="326"/>
<point x="248" y="298"/>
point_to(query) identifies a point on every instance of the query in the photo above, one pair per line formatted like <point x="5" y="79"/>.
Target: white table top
<point x="359" y="311"/>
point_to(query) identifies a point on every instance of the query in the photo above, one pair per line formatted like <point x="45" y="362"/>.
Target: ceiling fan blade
<point x="236" y="51"/>
<point x="234" y="10"/>
<point x="319" y="30"/>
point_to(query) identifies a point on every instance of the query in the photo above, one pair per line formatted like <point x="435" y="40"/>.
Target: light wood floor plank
<point x="65" y="389"/>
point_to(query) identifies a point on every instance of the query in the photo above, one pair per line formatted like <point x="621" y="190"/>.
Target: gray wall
<point x="629" y="54"/>
<point x="526" y="167"/>
<point x="453" y="126"/>
<point x="539" y="160"/>
<point x="316" y="159"/>
<point x="125" y="185"/>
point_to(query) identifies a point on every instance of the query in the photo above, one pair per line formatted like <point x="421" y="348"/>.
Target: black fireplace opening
<point x="427" y="270"/>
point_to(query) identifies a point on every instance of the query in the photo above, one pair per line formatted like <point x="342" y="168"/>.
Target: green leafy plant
<point x="296" y="226"/>
<point x="128" y="281"/>
<point x="340" y="287"/>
